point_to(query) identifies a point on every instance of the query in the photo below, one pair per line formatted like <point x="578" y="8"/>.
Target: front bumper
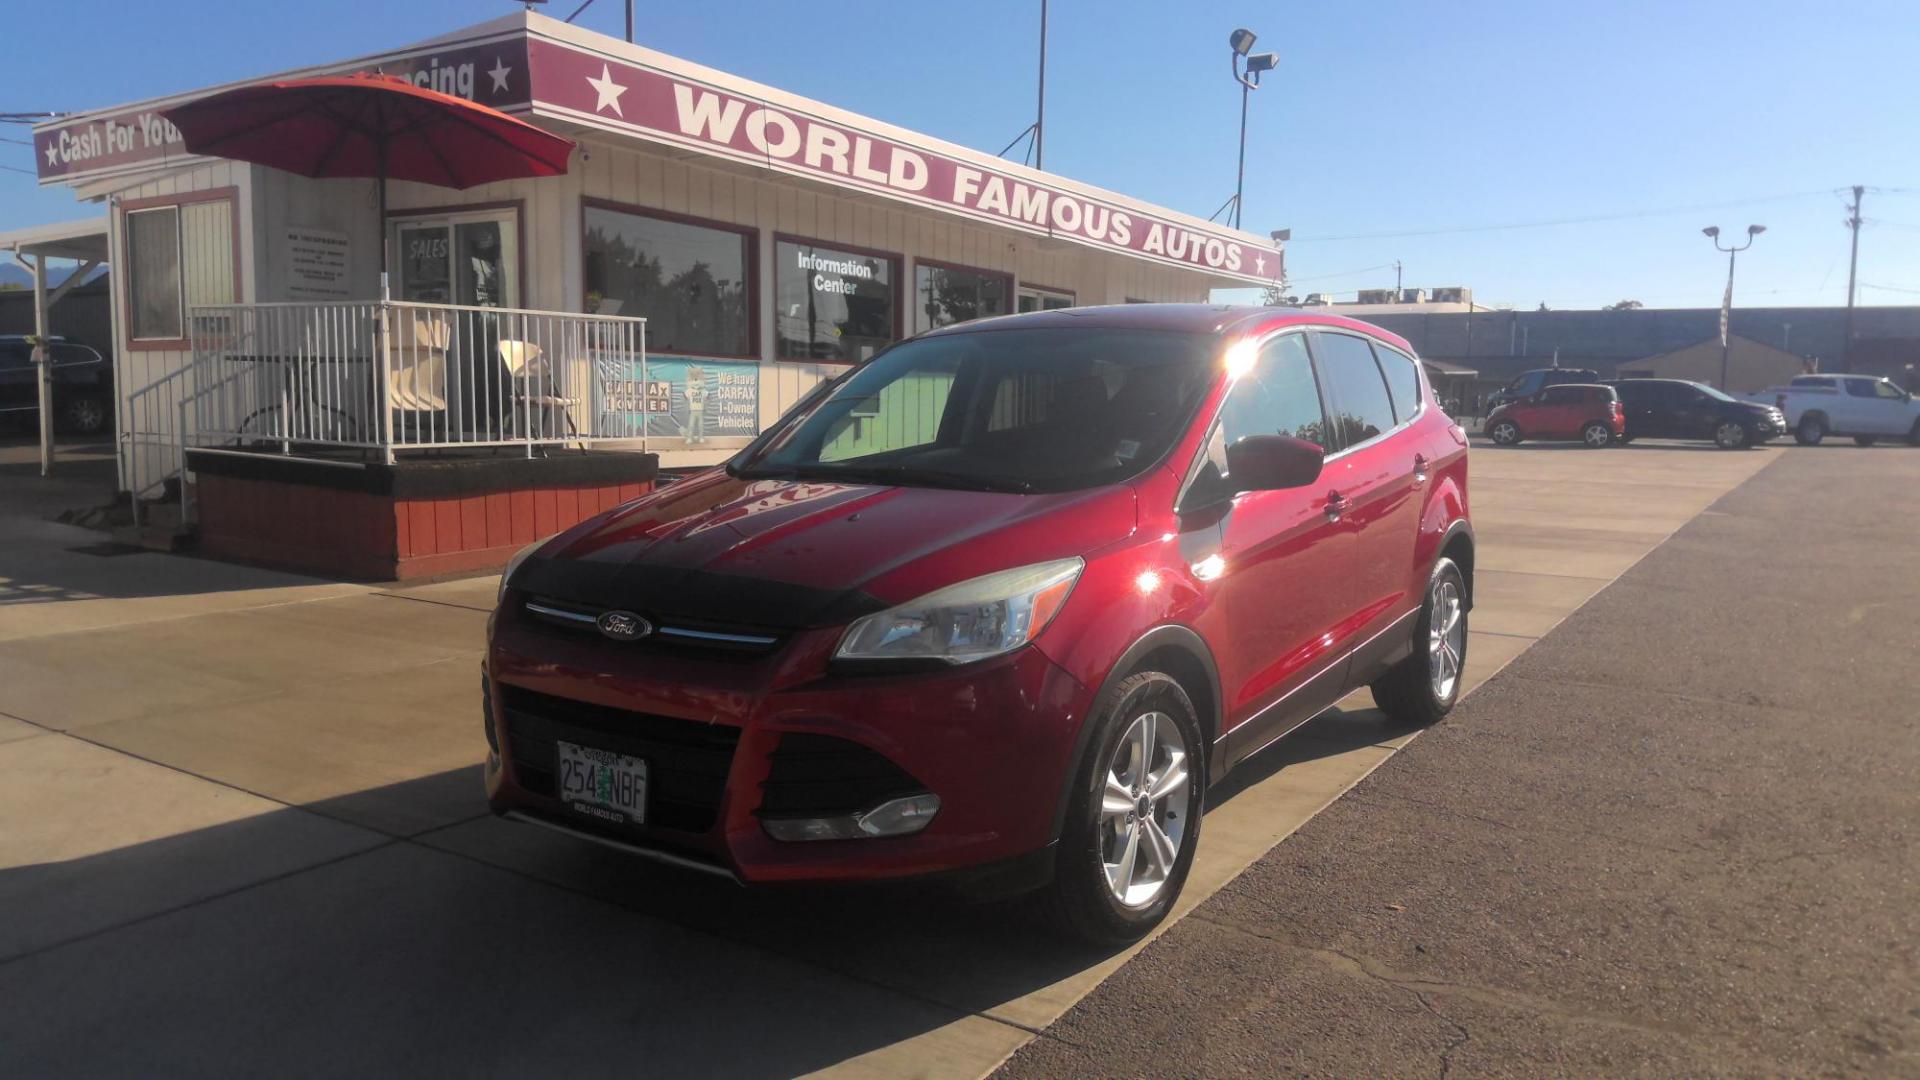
<point x="734" y="740"/>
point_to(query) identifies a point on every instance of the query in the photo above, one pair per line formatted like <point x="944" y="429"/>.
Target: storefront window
<point x="153" y="281"/>
<point x="830" y="305"/>
<point x="690" y="282"/>
<point x="1036" y="298"/>
<point x="468" y="259"/>
<point x="944" y="295"/>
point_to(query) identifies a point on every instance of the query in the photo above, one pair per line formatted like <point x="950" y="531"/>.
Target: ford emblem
<point x="623" y="625"/>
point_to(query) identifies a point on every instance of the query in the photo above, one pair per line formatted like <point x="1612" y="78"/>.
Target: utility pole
<point x="1853" y="265"/>
<point x="1040" y="113"/>
<point x="1396" y="281"/>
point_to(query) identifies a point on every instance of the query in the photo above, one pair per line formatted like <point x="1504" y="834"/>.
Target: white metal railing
<point x="385" y="378"/>
<point x="394" y="376"/>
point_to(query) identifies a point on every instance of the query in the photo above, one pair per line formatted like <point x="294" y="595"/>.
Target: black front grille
<point x="687" y="760"/>
<point x="823" y="776"/>
<point x="675" y="633"/>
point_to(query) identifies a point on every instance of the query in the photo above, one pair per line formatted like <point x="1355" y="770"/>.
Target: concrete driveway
<point x="241" y="830"/>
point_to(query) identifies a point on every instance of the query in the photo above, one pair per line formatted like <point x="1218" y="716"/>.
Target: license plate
<point x="610" y="786"/>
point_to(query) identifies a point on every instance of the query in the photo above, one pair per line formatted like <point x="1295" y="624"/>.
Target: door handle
<point x="1420" y="468"/>
<point x="1337" y="504"/>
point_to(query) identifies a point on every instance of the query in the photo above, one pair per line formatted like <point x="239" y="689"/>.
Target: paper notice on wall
<point x="316" y="263"/>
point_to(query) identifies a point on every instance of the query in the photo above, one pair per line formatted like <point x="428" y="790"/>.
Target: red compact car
<point x="1587" y="412"/>
<point x="997" y="605"/>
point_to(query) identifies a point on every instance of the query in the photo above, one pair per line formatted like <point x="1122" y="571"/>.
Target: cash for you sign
<point x="685" y="398"/>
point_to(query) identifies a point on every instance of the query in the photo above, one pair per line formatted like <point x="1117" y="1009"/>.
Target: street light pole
<point x="1726" y="303"/>
<point x="1247" y="74"/>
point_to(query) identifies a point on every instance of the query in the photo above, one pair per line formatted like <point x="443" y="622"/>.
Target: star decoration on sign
<point x="498" y="73"/>
<point x="53" y="153"/>
<point x="1259" y="264"/>
<point x="609" y="92"/>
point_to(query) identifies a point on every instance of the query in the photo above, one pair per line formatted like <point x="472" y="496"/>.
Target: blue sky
<point x="1385" y="118"/>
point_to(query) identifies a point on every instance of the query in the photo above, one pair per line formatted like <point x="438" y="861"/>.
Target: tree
<point x="1624" y="305"/>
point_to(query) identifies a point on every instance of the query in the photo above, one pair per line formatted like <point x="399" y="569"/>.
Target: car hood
<point x="794" y="553"/>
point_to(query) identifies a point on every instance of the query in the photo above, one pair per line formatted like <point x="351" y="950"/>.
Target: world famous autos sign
<point x="660" y="105"/>
<point x="490" y="69"/>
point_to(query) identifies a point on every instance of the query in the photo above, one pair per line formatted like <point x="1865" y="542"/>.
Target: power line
<point x="1586" y="220"/>
<point x="1342" y="273"/>
<point x="23" y="172"/>
<point x="1889" y="288"/>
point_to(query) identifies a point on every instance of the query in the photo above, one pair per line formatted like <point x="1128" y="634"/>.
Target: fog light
<point x="900" y="817"/>
<point x="895" y="817"/>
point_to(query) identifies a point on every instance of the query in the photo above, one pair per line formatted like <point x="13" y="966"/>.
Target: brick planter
<point x="413" y="519"/>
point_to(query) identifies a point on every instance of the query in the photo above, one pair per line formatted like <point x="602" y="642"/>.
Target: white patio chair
<point x="533" y="386"/>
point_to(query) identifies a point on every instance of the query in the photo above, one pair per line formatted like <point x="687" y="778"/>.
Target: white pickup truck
<point x="1866" y="407"/>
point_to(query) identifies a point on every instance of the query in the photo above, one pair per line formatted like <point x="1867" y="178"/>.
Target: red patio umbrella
<point x="367" y="125"/>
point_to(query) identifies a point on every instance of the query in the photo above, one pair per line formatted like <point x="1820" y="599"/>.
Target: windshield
<point x="1717" y="395"/>
<point x="1055" y="409"/>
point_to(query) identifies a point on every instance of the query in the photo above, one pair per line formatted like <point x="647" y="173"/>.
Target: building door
<point x="469" y="259"/>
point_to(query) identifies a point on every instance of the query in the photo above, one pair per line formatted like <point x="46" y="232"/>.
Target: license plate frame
<point x="603" y="784"/>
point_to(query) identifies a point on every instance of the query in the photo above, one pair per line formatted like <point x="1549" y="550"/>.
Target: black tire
<point x="1811" y="430"/>
<point x="82" y="414"/>
<point x="1732" y="435"/>
<point x="1408" y="693"/>
<point x="1079" y="899"/>
<point x="1505" y="433"/>
<point x="1913" y="435"/>
<point x="1596" y="436"/>
<point x="1864" y="440"/>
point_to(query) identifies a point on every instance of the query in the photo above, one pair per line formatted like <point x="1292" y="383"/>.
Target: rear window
<point x="1563" y="395"/>
<point x="1403" y="380"/>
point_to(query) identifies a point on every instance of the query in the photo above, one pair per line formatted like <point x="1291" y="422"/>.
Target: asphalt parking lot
<point x="243" y="828"/>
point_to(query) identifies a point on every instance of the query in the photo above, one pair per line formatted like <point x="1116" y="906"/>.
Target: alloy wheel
<point x="1597" y="435"/>
<point x="1505" y="433"/>
<point x="1446" y="638"/>
<point x="1730" y="435"/>
<point x="1143" y="812"/>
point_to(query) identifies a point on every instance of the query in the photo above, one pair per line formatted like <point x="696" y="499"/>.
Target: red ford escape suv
<point x="997" y="605"/>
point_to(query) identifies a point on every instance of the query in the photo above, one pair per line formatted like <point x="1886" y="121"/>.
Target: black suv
<point x="1528" y="383"/>
<point x="82" y="384"/>
<point x="1678" y="409"/>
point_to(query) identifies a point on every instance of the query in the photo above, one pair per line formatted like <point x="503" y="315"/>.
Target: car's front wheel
<point x="1597" y="436"/>
<point x="1913" y="434"/>
<point x="1504" y="433"/>
<point x="1730" y="435"/>
<point x="1423" y="688"/>
<point x="1811" y="430"/>
<point x="1134" y="819"/>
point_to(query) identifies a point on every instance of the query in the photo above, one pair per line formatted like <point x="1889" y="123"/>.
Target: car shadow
<point x="484" y="945"/>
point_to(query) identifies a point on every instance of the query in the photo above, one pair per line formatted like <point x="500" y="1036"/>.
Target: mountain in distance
<point x="13" y="275"/>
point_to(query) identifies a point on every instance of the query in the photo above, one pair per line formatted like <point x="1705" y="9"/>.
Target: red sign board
<point x="492" y="73"/>
<point x="663" y="107"/>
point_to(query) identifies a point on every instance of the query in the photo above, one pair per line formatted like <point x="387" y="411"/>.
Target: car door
<point x="1689" y="414"/>
<point x="1640" y="402"/>
<point x="1282" y="563"/>
<point x="1379" y="473"/>
<point x="17" y="387"/>
<point x="1878" y="406"/>
<point x="1558" y="412"/>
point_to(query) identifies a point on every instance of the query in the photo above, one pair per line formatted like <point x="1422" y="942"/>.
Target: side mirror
<point x="1272" y="462"/>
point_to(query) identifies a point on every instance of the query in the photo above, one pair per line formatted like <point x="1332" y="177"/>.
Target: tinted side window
<point x="15" y="355"/>
<point x="1403" y="381"/>
<point x="1562" y="395"/>
<point x="1361" y="407"/>
<point x="1860" y="387"/>
<point x="1813" y="380"/>
<point x="1278" y="397"/>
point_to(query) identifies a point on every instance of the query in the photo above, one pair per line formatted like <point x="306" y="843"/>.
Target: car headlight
<point x="983" y="617"/>
<point x="514" y="564"/>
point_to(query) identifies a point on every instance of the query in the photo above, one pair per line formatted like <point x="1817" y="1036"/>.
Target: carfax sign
<point x="672" y="397"/>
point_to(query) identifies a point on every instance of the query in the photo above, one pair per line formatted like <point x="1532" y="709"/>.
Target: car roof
<point x="1219" y="320"/>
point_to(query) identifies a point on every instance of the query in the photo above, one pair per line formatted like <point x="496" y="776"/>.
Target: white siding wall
<point x="202" y="235"/>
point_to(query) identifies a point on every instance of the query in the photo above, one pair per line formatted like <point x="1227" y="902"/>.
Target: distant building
<point x="1751" y="365"/>
<point x="1498" y="345"/>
